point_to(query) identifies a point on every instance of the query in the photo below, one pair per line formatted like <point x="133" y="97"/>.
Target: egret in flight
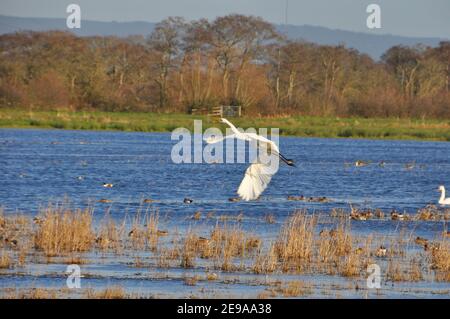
<point x="258" y="174"/>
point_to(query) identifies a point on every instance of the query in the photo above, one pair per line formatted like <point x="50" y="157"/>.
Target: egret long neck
<point x="442" y="194"/>
<point x="233" y="128"/>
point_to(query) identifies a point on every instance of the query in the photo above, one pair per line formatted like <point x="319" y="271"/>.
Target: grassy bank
<point x="294" y="126"/>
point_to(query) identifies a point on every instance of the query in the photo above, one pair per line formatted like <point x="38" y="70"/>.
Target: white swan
<point x="443" y="200"/>
<point x="258" y="174"/>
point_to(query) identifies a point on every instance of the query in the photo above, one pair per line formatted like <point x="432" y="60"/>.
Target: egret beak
<point x="286" y="160"/>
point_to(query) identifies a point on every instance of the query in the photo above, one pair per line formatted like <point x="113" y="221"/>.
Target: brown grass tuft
<point x="440" y="260"/>
<point x="108" y="293"/>
<point x="144" y="233"/>
<point x="5" y="260"/>
<point x="294" y="246"/>
<point x="110" y="235"/>
<point x="294" y="289"/>
<point x="191" y="281"/>
<point x="33" y="293"/>
<point x="266" y="262"/>
<point x="64" y="231"/>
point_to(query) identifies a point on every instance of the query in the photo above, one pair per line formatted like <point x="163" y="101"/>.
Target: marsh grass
<point x="167" y="256"/>
<point x="5" y="260"/>
<point x="189" y="250"/>
<point x="266" y="262"/>
<point x="14" y="231"/>
<point x="64" y="231"/>
<point x="305" y="244"/>
<point x="22" y="257"/>
<point x="415" y="271"/>
<point x="432" y="213"/>
<point x="226" y="243"/>
<point x="440" y="260"/>
<point x="231" y="242"/>
<point x="114" y="292"/>
<point x="396" y="271"/>
<point x="34" y="293"/>
<point x="191" y="281"/>
<point x="300" y="249"/>
<point x="110" y="235"/>
<point x="294" y="288"/>
<point x="144" y="233"/>
<point x="211" y="276"/>
<point x="295" y="243"/>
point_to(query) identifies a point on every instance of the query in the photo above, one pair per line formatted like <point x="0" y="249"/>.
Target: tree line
<point x="232" y="60"/>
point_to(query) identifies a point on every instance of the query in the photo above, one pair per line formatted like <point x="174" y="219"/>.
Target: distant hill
<point x="374" y="45"/>
<point x="88" y="28"/>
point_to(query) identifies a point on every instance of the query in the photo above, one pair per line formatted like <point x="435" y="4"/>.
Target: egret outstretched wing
<point x="217" y="139"/>
<point x="258" y="175"/>
<point x="256" y="178"/>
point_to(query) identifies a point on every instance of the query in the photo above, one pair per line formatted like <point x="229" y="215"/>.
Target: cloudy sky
<point x="430" y="18"/>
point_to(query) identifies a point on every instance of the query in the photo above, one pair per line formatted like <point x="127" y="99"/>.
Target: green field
<point x="374" y="128"/>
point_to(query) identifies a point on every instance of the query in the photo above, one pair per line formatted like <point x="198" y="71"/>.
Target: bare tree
<point x="237" y="40"/>
<point x="165" y="41"/>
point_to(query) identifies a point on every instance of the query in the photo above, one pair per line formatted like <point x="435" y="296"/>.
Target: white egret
<point x="258" y="174"/>
<point x="443" y="200"/>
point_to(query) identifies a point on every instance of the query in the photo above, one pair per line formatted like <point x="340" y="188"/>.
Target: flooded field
<point x="313" y="233"/>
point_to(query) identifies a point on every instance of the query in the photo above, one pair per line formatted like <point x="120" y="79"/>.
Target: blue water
<point x="42" y="166"/>
<point x="38" y="166"/>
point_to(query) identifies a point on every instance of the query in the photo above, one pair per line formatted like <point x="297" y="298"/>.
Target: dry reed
<point x="64" y="231"/>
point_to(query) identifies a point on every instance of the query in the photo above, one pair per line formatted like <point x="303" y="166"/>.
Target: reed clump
<point x="294" y="288"/>
<point x="64" y="231"/>
<point x="300" y="249"/>
<point x="2" y="219"/>
<point x="144" y="232"/>
<point x="191" y="281"/>
<point x="167" y="256"/>
<point x="266" y="262"/>
<point x="5" y="260"/>
<point x="335" y="243"/>
<point x="189" y="250"/>
<point x="404" y="269"/>
<point x="14" y="231"/>
<point x="110" y="235"/>
<point x="230" y="242"/>
<point x="224" y="244"/>
<point x="295" y="244"/>
<point x="114" y="292"/>
<point x="440" y="260"/>
<point x="35" y="293"/>
<point x="350" y="266"/>
<point x="415" y="272"/>
<point x="396" y="271"/>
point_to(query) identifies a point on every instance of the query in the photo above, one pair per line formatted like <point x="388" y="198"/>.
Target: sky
<point x="416" y="18"/>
